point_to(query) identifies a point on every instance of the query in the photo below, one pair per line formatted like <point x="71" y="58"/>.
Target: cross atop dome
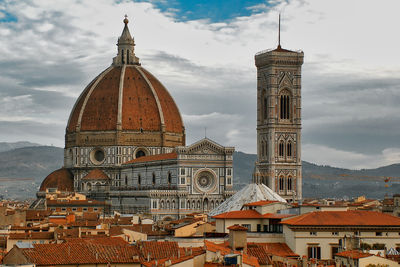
<point x="126" y="47"/>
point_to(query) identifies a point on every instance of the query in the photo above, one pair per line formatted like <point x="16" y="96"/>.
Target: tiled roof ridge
<point x="349" y="217"/>
<point x="60" y="254"/>
<point x="353" y="254"/>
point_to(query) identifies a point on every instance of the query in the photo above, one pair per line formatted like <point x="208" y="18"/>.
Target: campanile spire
<point x="126" y="47"/>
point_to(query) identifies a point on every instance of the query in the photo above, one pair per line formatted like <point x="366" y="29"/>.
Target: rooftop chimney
<point x="238" y="237"/>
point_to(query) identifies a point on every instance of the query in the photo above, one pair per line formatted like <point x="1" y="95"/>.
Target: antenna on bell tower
<point x="279" y="32"/>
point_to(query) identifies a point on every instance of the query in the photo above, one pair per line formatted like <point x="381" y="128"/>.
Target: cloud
<point x="44" y="133"/>
<point x="258" y="7"/>
<point x="50" y="52"/>
<point x="324" y="155"/>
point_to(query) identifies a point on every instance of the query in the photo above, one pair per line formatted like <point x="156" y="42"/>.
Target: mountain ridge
<point x="34" y="163"/>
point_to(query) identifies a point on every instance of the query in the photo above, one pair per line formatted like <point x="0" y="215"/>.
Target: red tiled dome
<point x="125" y="98"/>
<point x="62" y="179"/>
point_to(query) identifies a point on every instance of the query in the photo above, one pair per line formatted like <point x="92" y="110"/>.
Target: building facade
<point x="279" y="121"/>
<point x="125" y="144"/>
<point x="318" y="234"/>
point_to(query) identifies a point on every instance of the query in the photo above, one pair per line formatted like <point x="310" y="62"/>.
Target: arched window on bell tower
<point x="281" y="149"/>
<point x="289" y="184"/>
<point x="262" y="149"/>
<point x="284" y="105"/>
<point x="281" y="183"/>
<point x="289" y="149"/>
<point x="265" y="107"/>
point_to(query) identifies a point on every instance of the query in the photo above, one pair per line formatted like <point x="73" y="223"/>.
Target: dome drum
<point x="128" y="138"/>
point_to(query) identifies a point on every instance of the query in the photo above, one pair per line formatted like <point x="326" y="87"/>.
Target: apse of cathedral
<point x="125" y="145"/>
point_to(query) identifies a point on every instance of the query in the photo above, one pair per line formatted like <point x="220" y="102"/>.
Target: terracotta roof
<point x="344" y="218"/>
<point x="32" y="235"/>
<point x="67" y="233"/>
<point x="388" y="202"/>
<point x="250" y="214"/>
<point x="79" y="253"/>
<point x="33" y="215"/>
<point x="144" y="98"/>
<point x="157" y="157"/>
<point x="239" y="214"/>
<point x="84" y="223"/>
<point x="141" y="228"/>
<point x="237" y="227"/>
<point x="353" y="254"/>
<point x="261" y="254"/>
<point x="96" y="174"/>
<point x="363" y="202"/>
<point x="91" y="216"/>
<point x="278" y="249"/>
<point x="276" y="216"/>
<point x="171" y="261"/>
<point x="109" y="241"/>
<point x="186" y="220"/>
<point x="158" y="249"/>
<point x="261" y="203"/>
<point x="224" y="250"/>
<point x="62" y="179"/>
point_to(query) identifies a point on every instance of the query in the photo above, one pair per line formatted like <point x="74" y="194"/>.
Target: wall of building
<point x="187" y="230"/>
<point x="368" y="261"/>
<point x="12" y="242"/>
<point x="271" y="208"/>
<point x="223" y="224"/>
<point x="18" y="218"/>
<point x="300" y="240"/>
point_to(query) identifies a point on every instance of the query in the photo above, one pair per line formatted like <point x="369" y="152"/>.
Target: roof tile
<point x="344" y="218"/>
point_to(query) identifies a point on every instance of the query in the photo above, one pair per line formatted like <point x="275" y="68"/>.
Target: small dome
<point x="61" y="179"/>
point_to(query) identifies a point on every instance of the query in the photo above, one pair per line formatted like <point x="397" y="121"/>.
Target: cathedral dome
<point x="61" y="179"/>
<point x="128" y="99"/>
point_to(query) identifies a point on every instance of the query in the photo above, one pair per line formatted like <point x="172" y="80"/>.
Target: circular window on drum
<point x="97" y="156"/>
<point x="205" y="181"/>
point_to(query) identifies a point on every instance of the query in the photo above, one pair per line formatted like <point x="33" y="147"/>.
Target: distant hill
<point x="30" y="162"/>
<point x="5" y="146"/>
<point x="327" y="181"/>
<point x="36" y="162"/>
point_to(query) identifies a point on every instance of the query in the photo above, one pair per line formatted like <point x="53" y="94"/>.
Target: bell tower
<point x="279" y="121"/>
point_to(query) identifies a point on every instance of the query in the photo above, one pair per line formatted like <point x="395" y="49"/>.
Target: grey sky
<point x="351" y="74"/>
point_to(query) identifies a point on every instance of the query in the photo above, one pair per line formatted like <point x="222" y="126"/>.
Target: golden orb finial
<point x="126" y="19"/>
